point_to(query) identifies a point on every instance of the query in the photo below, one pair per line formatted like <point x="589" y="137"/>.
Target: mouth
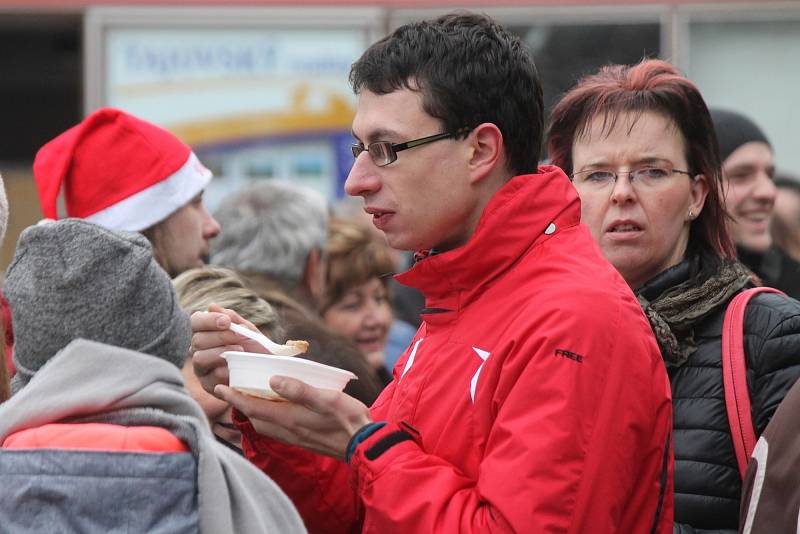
<point x="227" y="431"/>
<point x="371" y="343"/>
<point x="623" y="228"/>
<point x="380" y="217"/>
<point x="756" y="217"/>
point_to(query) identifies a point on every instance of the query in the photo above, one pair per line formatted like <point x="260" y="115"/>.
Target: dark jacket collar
<point x="677" y="274"/>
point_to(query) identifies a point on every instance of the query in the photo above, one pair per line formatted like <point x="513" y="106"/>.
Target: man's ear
<point x="487" y="152"/>
<point x="314" y="275"/>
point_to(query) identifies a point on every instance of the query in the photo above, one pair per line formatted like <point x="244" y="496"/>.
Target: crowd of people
<point x="563" y="374"/>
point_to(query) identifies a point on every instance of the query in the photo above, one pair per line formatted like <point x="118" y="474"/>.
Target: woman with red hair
<point x="639" y="146"/>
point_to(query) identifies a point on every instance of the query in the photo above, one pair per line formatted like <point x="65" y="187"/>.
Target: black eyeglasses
<point x="383" y="152"/>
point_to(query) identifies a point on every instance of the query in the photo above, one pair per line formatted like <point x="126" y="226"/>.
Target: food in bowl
<point x="300" y="345"/>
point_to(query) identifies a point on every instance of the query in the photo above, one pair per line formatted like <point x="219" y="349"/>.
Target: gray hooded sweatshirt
<point x="49" y="490"/>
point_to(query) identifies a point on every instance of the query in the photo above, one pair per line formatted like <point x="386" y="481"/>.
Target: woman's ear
<point x="486" y="151"/>
<point x="697" y="198"/>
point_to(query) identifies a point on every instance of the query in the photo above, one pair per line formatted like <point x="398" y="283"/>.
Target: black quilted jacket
<point x="707" y="484"/>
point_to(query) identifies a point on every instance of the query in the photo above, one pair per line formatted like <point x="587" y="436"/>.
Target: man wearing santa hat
<point x="124" y="173"/>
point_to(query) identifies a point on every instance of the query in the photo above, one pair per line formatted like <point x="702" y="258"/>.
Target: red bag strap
<point x="734" y="376"/>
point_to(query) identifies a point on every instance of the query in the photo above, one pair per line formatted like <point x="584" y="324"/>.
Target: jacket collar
<point x="677" y="274"/>
<point x="517" y="218"/>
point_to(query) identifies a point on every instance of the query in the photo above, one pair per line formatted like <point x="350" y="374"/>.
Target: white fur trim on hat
<point x="154" y="204"/>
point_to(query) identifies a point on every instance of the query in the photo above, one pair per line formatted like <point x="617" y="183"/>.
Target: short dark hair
<point x="649" y="86"/>
<point x="470" y="70"/>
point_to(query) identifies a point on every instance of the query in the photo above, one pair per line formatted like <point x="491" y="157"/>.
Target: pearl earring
<point x="691" y="215"/>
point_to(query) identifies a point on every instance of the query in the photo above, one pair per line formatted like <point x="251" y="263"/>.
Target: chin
<point x="372" y="347"/>
<point x="635" y="273"/>
<point x="228" y="434"/>
<point x="398" y="243"/>
<point x="756" y="243"/>
<point x="408" y="239"/>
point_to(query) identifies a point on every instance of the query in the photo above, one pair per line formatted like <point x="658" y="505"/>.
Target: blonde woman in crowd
<point x="197" y="289"/>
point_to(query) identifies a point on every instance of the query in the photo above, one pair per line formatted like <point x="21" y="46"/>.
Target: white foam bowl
<point x="249" y="372"/>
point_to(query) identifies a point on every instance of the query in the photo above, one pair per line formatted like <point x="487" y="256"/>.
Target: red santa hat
<point x="117" y="171"/>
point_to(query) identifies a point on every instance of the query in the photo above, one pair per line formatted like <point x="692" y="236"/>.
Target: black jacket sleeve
<point x="772" y="345"/>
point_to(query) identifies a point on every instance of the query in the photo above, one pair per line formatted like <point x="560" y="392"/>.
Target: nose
<point x="764" y="188"/>
<point x="372" y="318"/>
<point x="211" y="228"/>
<point x="362" y="179"/>
<point x="378" y="314"/>
<point x="622" y="190"/>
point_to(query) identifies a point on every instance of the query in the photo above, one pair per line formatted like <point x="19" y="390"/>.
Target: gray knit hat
<point x="73" y="279"/>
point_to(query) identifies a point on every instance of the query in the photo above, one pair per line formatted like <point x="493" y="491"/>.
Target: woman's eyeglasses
<point x="646" y="176"/>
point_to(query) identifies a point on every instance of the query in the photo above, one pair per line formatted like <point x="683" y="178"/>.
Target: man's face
<point x="424" y="199"/>
<point x="750" y="194"/>
<point x="182" y="238"/>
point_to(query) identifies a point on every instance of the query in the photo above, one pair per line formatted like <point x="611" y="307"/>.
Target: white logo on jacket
<point x="474" y="382"/>
<point x="410" y="360"/>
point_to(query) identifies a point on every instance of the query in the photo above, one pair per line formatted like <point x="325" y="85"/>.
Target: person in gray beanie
<point x="748" y="165"/>
<point x="100" y="421"/>
<point x="74" y="279"/>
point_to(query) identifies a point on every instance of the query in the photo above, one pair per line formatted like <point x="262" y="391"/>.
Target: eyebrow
<point x="650" y="160"/>
<point x="750" y="168"/>
<point x="742" y="167"/>
<point x="647" y="160"/>
<point x="379" y="134"/>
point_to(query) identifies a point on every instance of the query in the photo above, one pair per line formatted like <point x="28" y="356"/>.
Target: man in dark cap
<point x="748" y="164"/>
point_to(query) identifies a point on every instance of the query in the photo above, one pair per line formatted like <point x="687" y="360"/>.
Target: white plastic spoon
<point x="267" y="343"/>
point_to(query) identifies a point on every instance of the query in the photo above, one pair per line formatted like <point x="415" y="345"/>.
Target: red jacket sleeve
<point x="318" y="486"/>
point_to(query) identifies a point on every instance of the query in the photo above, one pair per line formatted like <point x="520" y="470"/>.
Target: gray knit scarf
<point x="674" y="312"/>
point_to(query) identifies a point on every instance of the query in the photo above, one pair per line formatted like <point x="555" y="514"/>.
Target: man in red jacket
<point x="533" y="397"/>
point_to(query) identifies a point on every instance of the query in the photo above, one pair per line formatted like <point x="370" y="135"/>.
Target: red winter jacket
<point x="532" y="399"/>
